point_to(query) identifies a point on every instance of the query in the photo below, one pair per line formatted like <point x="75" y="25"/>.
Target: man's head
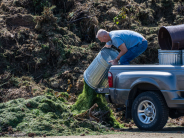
<point x="103" y="35"/>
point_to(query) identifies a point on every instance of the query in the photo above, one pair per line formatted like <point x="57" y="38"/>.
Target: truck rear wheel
<point x="149" y="111"/>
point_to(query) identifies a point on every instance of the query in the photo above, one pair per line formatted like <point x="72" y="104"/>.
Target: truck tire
<point x="149" y="111"/>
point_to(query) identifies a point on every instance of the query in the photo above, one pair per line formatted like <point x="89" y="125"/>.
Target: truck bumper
<point x="102" y="90"/>
<point x="106" y="92"/>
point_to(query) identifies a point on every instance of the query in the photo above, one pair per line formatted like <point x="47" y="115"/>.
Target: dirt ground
<point x="166" y="132"/>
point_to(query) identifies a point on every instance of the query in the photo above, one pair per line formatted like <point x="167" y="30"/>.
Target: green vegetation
<point x="39" y="5"/>
<point x="92" y="45"/>
<point x="122" y="15"/>
<point x="48" y="114"/>
<point x="43" y="115"/>
<point x="88" y="98"/>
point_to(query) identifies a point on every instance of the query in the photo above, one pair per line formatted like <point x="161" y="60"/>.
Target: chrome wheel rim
<point x="146" y="112"/>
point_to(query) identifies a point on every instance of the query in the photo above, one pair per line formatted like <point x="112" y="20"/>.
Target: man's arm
<point x="123" y="49"/>
<point x="108" y="46"/>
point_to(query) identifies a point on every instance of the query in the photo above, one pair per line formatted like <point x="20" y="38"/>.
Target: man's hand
<point x="114" y="62"/>
<point x="123" y="49"/>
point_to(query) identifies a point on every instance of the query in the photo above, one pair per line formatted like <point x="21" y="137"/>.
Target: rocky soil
<point x="49" y="43"/>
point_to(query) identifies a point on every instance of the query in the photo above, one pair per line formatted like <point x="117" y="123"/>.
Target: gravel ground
<point x="167" y="132"/>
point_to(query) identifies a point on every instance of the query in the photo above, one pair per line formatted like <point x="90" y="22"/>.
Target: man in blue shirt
<point x="130" y="43"/>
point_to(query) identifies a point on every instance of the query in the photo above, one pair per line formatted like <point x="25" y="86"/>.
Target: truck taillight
<point x="110" y="79"/>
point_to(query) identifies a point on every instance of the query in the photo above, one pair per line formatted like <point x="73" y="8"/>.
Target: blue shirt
<point x="130" y="38"/>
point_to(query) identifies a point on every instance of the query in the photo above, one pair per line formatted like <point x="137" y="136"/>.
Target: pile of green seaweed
<point x="88" y="98"/>
<point x="51" y="116"/>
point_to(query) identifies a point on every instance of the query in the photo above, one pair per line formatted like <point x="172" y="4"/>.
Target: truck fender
<point x="162" y="80"/>
<point x="159" y="80"/>
<point x="144" y="80"/>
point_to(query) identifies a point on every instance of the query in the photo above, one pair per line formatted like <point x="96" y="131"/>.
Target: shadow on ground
<point x="164" y="130"/>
